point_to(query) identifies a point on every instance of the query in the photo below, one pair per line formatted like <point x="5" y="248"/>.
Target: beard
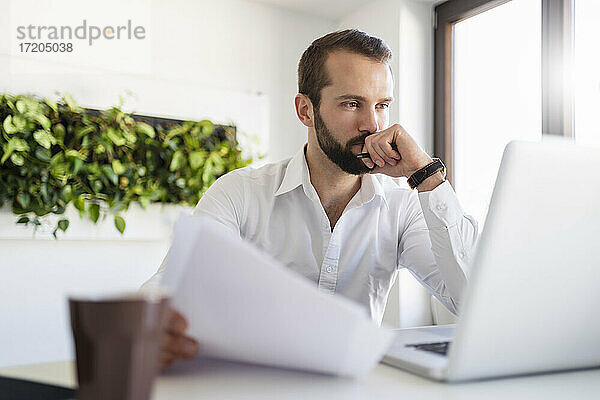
<point x="339" y="154"/>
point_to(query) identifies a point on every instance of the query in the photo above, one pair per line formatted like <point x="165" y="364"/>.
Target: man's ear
<point x="304" y="110"/>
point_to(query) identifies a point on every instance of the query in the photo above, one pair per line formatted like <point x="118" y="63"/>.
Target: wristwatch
<point x="419" y="176"/>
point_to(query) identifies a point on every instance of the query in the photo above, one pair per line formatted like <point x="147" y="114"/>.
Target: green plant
<point x="56" y="153"/>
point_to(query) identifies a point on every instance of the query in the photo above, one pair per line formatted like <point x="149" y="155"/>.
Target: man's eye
<point x="351" y="104"/>
<point x="384" y="105"/>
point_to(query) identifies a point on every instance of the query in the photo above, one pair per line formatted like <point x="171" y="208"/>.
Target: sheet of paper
<point x="243" y="305"/>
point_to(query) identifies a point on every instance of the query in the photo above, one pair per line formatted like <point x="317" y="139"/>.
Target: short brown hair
<point x="312" y="74"/>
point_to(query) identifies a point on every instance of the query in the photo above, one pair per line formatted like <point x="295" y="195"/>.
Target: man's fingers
<point x="387" y="147"/>
<point x="375" y="156"/>
<point x="168" y="355"/>
<point x="174" y="344"/>
<point x="179" y="345"/>
<point x="385" y="150"/>
<point x="367" y="161"/>
<point x="379" y="146"/>
<point x="177" y="323"/>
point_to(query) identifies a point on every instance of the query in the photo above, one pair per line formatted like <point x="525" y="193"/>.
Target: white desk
<point x="215" y="380"/>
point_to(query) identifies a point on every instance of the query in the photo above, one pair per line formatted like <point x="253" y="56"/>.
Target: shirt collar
<point x="293" y="173"/>
<point x="296" y="174"/>
<point x="371" y="186"/>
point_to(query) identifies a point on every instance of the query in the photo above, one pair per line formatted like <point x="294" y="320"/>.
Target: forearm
<point x="453" y="236"/>
<point x="431" y="183"/>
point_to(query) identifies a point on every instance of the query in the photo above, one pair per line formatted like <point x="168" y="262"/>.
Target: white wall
<point x="406" y="27"/>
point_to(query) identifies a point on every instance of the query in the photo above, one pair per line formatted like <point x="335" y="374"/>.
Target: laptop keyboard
<point x="439" y="347"/>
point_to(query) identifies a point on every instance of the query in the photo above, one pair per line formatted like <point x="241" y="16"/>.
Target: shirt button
<point x="329" y="268"/>
<point x="462" y="254"/>
<point x="441" y="206"/>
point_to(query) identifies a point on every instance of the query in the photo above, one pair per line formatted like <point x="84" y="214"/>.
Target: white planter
<point x="38" y="273"/>
<point x="153" y="223"/>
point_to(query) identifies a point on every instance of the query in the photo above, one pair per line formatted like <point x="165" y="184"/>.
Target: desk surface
<point x="226" y="380"/>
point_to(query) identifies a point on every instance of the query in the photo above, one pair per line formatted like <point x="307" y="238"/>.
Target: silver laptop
<point x="534" y="290"/>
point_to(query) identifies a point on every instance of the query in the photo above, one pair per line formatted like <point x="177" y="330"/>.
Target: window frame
<point x="557" y="44"/>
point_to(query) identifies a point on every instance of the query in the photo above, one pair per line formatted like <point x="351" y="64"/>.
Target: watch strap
<point x="419" y="176"/>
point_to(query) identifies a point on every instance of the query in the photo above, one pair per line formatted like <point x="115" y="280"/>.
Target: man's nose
<point x="368" y="122"/>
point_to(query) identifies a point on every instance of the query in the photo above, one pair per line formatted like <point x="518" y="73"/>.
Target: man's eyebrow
<point x="361" y="98"/>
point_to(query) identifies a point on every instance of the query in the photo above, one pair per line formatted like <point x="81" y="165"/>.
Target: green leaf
<point x="178" y="161"/>
<point x="43" y="154"/>
<point x="82" y="131"/>
<point x="197" y="159"/>
<point x="93" y="169"/>
<point x="70" y="102"/>
<point x="138" y="189"/>
<point x="44" y="192"/>
<point x="44" y="121"/>
<point x="24" y="199"/>
<point x="120" y="224"/>
<point x="59" y="131"/>
<point x="144" y="202"/>
<point x="110" y="174"/>
<point x="118" y="167"/>
<point x="99" y="149"/>
<point x="75" y="153"/>
<point x="77" y="165"/>
<point x="94" y="212"/>
<point x="67" y="193"/>
<point x="51" y="104"/>
<point x="97" y="186"/>
<point x="11" y="103"/>
<point x="79" y="203"/>
<point x="45" y="139"/>
<point x="23" y="219"/>
<point x="58" y="167"/>
<point x="17" y="159"/>
<point x="21" y="106"/>
<point x="130" y="137"/>
<point x="18" y="144"/>
<point x="115" y="137"/>
<point x="63" y="224"/>
<point x="8" y="125"/>
<point x="207" y="127"/>
<point x="145" y="129"/>
<point x="19" y="122"/>
<point x="7" y="152"/>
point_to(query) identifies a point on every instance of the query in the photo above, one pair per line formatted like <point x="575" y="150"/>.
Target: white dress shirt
<point x="383" y="228"/>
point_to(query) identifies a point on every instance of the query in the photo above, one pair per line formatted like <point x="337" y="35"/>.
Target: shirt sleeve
<point x="438" y="243"/>
<point x="223" y="202"/>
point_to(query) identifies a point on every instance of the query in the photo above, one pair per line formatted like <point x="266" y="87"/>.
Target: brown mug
<point x="117" y="344"/>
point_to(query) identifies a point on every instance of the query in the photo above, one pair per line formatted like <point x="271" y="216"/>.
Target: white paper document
<point x="243" y="305"/>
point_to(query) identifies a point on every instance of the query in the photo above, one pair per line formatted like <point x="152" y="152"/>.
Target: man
<point x="340" y="220"/>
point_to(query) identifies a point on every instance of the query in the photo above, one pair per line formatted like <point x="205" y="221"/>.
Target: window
<point x="510" y="69"/>
<point x="497" y="94"/>
<point x="586" y="72"/>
